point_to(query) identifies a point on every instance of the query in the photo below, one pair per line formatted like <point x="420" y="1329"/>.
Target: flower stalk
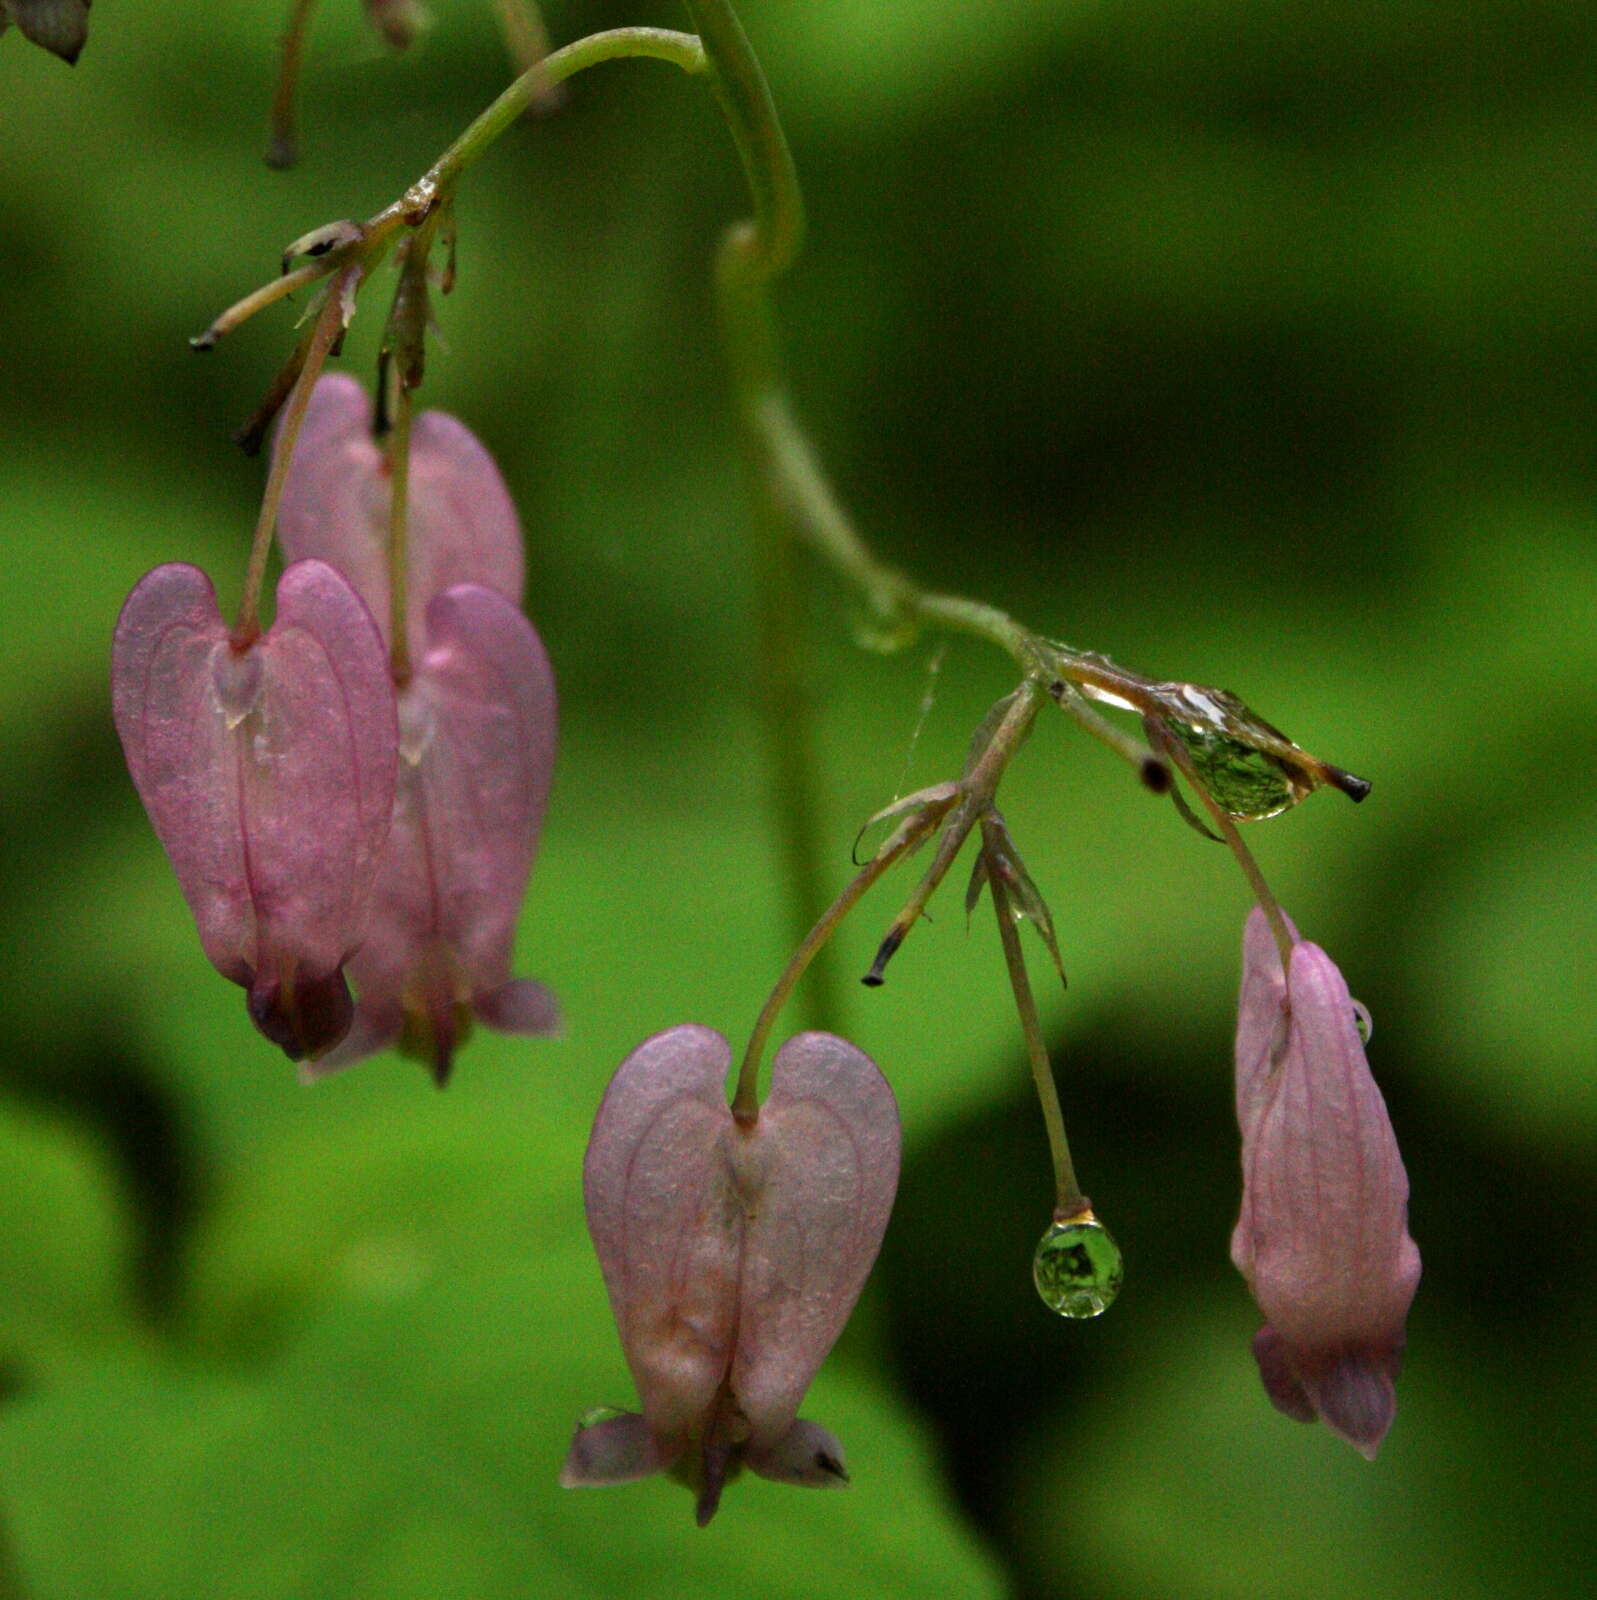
<point x="331" y="321"/>
<point x="1069" y="1201"/>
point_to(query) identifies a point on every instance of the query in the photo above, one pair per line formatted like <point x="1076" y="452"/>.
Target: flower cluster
<point x="355" y="794"/>
<point x="322" y="817"/>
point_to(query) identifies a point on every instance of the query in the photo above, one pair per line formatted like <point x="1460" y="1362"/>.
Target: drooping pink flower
<point x="1323" y="1234"/>
<point x="732" y="1254"/>
<point x="268" y="774"/>
<point x="462" y="524"/>
<point x="476" y="748"/>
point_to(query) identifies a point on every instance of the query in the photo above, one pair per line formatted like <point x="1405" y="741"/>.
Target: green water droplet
<point x="1247" y="783"/>
<point x="1363" y="1021"/>
<point x="1077" y="1268"/>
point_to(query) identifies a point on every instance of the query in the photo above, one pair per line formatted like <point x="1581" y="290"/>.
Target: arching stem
<point x="745" y="1099"/>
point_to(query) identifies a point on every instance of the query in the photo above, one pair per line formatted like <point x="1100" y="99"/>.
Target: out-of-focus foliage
<point x="1248" y="343"/>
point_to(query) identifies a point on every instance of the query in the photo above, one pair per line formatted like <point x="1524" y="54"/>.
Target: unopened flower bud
<point x="1323" y="1234"/>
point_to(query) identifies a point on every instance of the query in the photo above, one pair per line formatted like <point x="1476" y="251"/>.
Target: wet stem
<point x="1069" y="1200"/>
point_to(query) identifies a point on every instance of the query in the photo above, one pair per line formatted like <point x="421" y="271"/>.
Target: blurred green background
<point x="1249" y="343"/>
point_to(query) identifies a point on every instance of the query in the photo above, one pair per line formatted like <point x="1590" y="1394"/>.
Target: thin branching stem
<point x="1069" y="1200"/>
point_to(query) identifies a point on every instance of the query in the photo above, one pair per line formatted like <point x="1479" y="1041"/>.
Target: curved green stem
<point x="329" y="328"/>
<point x="745" y="1099"/>
<point x="751" y="255"/>
<point x="1069" y="1200"/>
<point x="745" y="96"/>
<point x="658" y="44"/>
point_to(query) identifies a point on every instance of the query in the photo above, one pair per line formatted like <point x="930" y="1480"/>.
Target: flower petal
<point x="181" y="753"/>
<point x="819" y="1170"/>
<point x="477" y="738"/>
<point x="665" y="1225"/>
<point x="807" y="1456"/>
<point x="461" y="524"/>
<point x="268" y="774"/>
<point x="61" y="26"/>
<point x="615" y="1450"/>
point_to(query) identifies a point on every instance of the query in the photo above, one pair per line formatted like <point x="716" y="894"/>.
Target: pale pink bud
<point x="476" y="748"/>
<point x="1323" y="1235"/>
<point x="268" y="774"/>
<point x="733" y="1254"/>
<point x="462" y="526"/>
<point x="61" y="26"/>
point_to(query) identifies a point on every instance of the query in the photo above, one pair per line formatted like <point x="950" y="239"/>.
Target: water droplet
<point x="1247" y="783"/>
<point x="236" y="677"/>
<point x="1077" y="1268"/>
<point x="1363" y="1021"/>
<point x="416" y="726"/>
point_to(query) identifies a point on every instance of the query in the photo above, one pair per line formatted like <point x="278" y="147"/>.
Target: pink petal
<point x="1281" y="1383"/>
<point x="462" y="526"/>
<point x="807" y="1456"/>
<point x="477" y="737"/>
<point x="518" y="1006"/>
<point x="616" y="1450"/>
<point x="819" y="1171"/>
<point x="665" y="1226"/>
<point x="268" y="775"/>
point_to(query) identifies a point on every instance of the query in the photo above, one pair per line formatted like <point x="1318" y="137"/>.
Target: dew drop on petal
<point x="236" y="677"/>
<point x="1363" y="1021"/>
<point x="417" y="724"/>
<point x="1077" y="1268"/>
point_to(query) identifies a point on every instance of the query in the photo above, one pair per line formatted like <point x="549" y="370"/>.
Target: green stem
<point x="745" y="1099"/>
<point x="745" y="96"/>
<point x="658" y="44"/>
<point x="328" y="330"/>
<point x="1171" y="746"/>
<point x="752" y="254"/>
<point x="977" y="787"/>
<point x="1069" y="1199"/>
